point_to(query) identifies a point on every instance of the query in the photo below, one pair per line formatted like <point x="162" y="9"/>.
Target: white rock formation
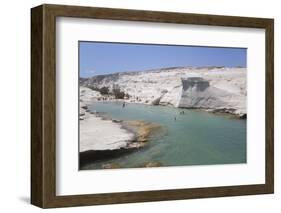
<point x="94" y="130"/>
<point x="198" y="93"/>
<point x="87" y="95"/>
<point x="94" y="135"/>
<point x="211" y="88"/>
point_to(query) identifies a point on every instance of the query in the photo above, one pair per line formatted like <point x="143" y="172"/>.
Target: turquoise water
<point x="194" y="138"/>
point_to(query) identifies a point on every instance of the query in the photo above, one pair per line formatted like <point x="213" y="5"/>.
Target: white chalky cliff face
<point x="218" y="89"/>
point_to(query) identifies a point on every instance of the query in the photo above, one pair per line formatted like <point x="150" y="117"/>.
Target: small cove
<point x="193" y="138"/>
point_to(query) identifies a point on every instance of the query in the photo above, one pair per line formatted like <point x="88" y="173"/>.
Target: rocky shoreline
<point x="217" y="89"/>
<point x="124" y="136"/>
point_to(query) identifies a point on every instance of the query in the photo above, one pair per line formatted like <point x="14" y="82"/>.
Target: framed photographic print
<point x="136" y="106"/>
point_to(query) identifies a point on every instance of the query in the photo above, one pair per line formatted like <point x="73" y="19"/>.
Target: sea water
<point x="193" y="138"/>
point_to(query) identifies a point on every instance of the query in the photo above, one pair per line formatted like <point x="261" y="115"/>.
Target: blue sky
<point x="98" y="58"/>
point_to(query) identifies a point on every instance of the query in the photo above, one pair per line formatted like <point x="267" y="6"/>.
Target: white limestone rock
<point x="226" y="91"/>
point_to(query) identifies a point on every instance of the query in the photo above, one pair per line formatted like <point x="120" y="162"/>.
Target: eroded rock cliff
<point x="218" y="89"/>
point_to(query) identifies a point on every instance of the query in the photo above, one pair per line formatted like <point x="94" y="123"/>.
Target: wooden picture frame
<point x="43" y="105"/>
